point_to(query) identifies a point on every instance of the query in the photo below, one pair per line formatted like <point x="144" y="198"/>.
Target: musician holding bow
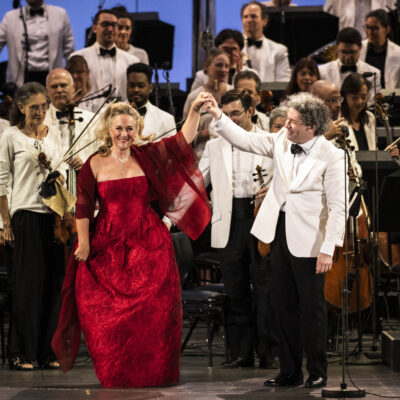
<point x="303" y="217"/>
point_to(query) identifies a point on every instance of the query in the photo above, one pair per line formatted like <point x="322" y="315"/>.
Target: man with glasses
<point x="107" y="63"/>
<point x="379" y="51"/>
<point x="348" y="44"/>
<point x="230" y="171"/>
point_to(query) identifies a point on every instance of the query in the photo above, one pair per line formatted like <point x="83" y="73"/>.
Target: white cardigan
<point x="19" y="162"/>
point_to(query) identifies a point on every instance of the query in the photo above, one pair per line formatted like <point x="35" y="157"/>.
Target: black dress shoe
<point x="285" y="380"/>
<point x="315" y="382"/>
<point x="239" y="363"/>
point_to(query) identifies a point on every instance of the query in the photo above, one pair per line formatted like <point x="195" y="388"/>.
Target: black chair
<point x="199" y="302"/>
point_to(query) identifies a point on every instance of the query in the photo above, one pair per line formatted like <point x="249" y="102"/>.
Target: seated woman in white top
<point x="38" y="264"/>
<point x="360" y="122"/>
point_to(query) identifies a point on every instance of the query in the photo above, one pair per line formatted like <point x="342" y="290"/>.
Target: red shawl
<point x="176" y="182"/>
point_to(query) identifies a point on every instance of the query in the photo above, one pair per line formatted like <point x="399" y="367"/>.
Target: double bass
<point x="354" y="253"/>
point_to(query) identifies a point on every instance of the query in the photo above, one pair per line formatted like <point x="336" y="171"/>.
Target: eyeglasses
<point x="235" y="113"/>
<point x="334" y="100"/>
<point x="106" y="24"/>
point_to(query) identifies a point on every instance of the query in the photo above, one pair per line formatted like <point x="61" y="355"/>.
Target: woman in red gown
<point x="122" y="281"/>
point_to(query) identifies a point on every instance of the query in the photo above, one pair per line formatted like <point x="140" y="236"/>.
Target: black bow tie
<point x="257" y="43"/>
<point x="33" y="12"/>
<point x="105" y="52"/>
<point x="62" y="114"/>
<point x="142" y="111"/>
<point x="296" y="148"/>
<point x="346" y="68"/>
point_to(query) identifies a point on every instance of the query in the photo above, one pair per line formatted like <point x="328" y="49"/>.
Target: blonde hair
<point x="107" y="119"/>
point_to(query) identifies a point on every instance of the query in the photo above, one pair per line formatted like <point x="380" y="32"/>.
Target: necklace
<point x="122" y="161"/>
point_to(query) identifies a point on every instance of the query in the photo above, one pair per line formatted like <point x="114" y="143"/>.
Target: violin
<point x="263" y="248"/>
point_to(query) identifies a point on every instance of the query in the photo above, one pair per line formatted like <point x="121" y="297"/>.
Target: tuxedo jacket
<point x="61" y="40"/>
<point x="216" y="168"/>
<point x="314" y="200"/>
<point x="331" y="72"/>
<point x="274" y="61"/>
<point x="392" y="64"/>
<point x="158" y="122"/>
<point x="97" y="81"/>
<point x="346" y="10"/>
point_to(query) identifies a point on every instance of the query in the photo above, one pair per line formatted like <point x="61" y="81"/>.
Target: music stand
<point x="301" y="29"/>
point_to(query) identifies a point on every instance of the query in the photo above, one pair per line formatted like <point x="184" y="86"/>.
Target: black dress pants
<point x="37" y="274"/>
<point x="251" y="321"/>
<point x="299" y="297"/>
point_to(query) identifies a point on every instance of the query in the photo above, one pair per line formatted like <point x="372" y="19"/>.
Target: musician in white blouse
<point x="38" y="266"/>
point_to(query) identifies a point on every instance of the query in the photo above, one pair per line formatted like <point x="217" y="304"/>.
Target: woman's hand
<point x="394" y="151"/>
<point x="200" y="100"/>
<point x="212" y="108"/>
<point x="82" y="252"/>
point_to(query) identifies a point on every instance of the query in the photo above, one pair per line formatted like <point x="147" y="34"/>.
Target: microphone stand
<point x="343" y="392"/>
<point x="171" y="109"/>
<point x="156" y="86"/>
<point x="25" y="47"/>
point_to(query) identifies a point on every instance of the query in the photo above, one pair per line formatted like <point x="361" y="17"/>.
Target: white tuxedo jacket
<point x="273" y="59"/>
<point x="392" y="64"/>
<point x="97" y="79"/>
<point x="331" y="72"/>
<point x="61" y="40"/>
<point x="216" y="167"/>
<point x="346" y="10"/>
<point x="158" y="122"/>
<point x="315" y="199"/>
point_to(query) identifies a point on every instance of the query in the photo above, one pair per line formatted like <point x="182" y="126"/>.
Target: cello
<point x="356" y="248"/>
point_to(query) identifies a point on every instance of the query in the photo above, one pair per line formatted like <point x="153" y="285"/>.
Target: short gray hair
<point x="313" y="111"/>
<point x="275" y="113"/>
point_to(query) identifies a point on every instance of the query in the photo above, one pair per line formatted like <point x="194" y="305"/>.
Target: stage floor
<point x="197" y="382"/>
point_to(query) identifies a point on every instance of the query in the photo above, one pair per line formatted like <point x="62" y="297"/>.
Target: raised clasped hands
<point x="212" y="108"/>
<point x="201" y="100"/>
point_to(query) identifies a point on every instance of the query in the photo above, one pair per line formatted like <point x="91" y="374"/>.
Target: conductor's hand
<point x="213" y="109"/>
<point x="82" y="252"/>
<point x="324" y="263"/>
<point x="75" y="162"/>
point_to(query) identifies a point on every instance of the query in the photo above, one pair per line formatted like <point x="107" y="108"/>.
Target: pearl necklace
<point x="122" y="161"/>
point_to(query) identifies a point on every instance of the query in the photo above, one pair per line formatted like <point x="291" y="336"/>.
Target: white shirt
<point x="38" y="34"/>
<point x="19" y="161"/>
<point x="242" y="168"/>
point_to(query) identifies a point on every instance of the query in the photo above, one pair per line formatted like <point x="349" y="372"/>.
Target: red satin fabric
<point x="127" y="294"/>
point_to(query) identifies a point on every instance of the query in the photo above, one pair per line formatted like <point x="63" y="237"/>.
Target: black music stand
<point x="301" y="29"/>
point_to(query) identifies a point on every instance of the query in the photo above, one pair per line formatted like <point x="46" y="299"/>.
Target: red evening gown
<point x="128" y="292"/>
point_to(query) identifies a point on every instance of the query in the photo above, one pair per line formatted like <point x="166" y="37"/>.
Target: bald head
<point x="60" y="88"/>
<point x="330" y="94"/>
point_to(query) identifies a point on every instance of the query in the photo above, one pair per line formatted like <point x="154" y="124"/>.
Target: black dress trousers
<point x="298" y="293"/>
